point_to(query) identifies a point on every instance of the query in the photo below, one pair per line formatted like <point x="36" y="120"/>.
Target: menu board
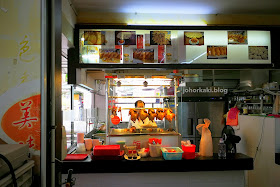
<point x="176" y="46"/>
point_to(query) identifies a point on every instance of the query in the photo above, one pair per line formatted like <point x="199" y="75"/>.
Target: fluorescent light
<point x="152" y="24"/>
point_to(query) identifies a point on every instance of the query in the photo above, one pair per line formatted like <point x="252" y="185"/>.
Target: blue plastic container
<point x="172" y="155"/>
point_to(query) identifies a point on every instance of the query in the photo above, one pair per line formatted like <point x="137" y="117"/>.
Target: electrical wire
<point x="11" y="169"/>
<point x="260" y="140"/>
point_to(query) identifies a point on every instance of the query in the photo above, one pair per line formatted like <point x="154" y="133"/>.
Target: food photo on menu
<point x="109" y="55"/>
<point x="258" y="52"/>
<point x="160" y="37"/>
<point x="94" y="38"/>
<point x="193" y="38"/>
<point x="217" y="52"/>
<point x="143" y="55"/>
<point x="237" y="37"/>
<point x="125" y="37"/>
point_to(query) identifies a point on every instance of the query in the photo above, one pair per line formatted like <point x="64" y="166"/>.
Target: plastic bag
<point x="206" y="145"/>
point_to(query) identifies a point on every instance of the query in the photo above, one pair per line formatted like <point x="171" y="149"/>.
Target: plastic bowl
<point x="176" y="155"/>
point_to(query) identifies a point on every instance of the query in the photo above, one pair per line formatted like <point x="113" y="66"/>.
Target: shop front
<point x="162" y="99"/>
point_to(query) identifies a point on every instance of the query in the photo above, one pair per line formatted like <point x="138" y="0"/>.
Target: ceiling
<point x="179" y="6"/>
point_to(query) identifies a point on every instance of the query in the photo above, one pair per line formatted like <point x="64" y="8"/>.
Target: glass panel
<point x="157" y="93"/>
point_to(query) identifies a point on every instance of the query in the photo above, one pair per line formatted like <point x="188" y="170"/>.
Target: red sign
<point x="115" y="120"/>
<point x="120" y="48"/>
<point x="161" y="53"/>
<point x="140" y="41"/>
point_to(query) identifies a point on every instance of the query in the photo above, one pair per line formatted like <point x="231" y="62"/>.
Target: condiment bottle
<point x="129" y="154"/>
<point x="134" y="154"/>
<point x="245" y="109"/>
<point x="222" y="149"/>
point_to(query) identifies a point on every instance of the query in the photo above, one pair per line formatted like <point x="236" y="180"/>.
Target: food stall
<point x="156" y="120"/>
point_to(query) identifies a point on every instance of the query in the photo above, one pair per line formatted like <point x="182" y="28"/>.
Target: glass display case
<point x="157" y="116"/>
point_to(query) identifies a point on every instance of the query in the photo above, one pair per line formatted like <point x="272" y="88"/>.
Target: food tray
<point x="172" y="155"/>
<point x="119" y="157"/>
<point x="106" y="150"/>
<point x="70" y="157"/>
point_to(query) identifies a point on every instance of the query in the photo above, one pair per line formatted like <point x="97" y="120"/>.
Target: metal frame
<point x="51" y="116"/>
<point x="43" y="90"/>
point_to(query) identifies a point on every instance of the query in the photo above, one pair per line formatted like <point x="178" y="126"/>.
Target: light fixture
<point x="119" y="84"/>
<point x="155" y="24"/>
<point x="145" y="83"/>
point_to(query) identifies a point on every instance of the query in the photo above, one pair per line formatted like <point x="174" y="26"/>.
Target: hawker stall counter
<point x="236" y="161"/>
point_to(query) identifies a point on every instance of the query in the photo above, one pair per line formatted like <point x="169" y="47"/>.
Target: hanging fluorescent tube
<point x="152" y="24"/>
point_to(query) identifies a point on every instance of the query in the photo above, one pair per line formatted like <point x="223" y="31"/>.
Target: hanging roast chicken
<point x="152" y="114"/>
<point x="160" y="114"/>
<point x="143" y="114"/>
<point x="169" y="115"/>
<point x="133" y="114"/>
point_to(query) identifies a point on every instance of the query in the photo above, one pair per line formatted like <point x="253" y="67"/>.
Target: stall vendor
<point x="138" y="122"/>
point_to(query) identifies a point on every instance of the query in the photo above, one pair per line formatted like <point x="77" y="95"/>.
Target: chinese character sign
<point x="21" y="122"/>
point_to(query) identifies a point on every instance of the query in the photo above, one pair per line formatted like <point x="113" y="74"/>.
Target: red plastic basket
<point x="189" y="151"/>
<point x="106" y="150"/>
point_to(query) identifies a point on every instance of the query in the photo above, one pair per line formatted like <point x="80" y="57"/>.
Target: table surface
<point x="236" y="161"/>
